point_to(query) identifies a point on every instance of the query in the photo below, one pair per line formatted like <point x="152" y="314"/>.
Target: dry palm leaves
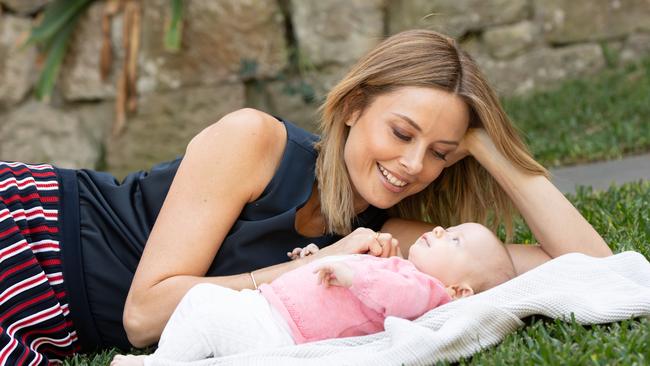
<point x="125" y="99"/>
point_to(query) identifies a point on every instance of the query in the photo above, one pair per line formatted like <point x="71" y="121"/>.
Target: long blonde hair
<point x="463" y="192"/>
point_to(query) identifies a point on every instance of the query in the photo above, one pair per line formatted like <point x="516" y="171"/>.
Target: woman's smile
<point x="390" y="180"/>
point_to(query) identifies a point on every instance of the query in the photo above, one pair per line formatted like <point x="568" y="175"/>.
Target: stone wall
<point x="280" y="56"/>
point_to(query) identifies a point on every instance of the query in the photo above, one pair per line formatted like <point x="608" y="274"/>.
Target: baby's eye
<point x="455" y="240"/>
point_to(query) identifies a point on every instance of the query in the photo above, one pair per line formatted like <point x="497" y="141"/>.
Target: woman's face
<point x="399" y="143"/>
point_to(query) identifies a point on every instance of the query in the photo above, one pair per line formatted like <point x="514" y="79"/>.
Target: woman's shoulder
<point x="248" y="130"/>
<point x="250" y="140"/>
<point x="247" y="122"/>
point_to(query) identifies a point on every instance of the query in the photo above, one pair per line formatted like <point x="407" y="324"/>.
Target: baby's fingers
<point x="309" y="250"/>
<point x="321" y="272"/>
<point x="294" y="253"/>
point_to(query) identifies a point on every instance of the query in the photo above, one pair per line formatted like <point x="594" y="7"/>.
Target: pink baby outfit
<point x="381" y="287"/>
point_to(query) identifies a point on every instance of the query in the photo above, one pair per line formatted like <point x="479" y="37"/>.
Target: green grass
<point x="602" y="117"/>
<point x="622" y="216"/>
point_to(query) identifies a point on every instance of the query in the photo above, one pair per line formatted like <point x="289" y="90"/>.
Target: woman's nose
<point x="412" y="160"/>
<point x="438" y="232"/>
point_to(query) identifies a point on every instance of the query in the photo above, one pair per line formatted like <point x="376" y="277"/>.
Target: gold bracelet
<point x="253" y="279"/>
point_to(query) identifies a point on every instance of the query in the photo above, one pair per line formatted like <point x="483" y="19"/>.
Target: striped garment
<point x="35" y="327"/>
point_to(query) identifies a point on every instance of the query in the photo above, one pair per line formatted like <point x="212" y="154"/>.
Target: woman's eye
<point x="439" y="155"/>
<point x="401" y="136"/>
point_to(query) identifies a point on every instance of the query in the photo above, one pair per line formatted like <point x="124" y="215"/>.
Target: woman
<point x="395" y="134"/>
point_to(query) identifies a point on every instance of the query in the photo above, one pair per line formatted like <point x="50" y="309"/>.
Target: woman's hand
<point x="363" y="241"/>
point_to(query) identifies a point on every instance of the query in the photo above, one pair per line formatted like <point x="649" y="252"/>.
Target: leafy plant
<point x="174" y="27"/>
<point x="53" y="35"/>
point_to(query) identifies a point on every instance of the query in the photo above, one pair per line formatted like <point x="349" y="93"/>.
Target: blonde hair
<point x="463" y="192"/>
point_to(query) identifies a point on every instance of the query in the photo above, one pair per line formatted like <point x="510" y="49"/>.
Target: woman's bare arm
<point x="557" y="225"/>
<point x="524" y="256"/>
<point x="225" y="166"/>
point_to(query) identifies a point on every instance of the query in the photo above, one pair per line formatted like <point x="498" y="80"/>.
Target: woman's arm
<point x="225" y="166"/>
<point x="524" y="256"/>
<point x="557" y="225"/>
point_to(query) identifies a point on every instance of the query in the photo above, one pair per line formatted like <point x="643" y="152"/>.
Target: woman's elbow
<point x="136" y="327"/>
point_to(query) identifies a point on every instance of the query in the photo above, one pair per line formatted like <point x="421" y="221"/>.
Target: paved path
<point x="602" y="174"/>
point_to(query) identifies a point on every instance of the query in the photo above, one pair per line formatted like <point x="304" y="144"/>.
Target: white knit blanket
<point x="595" y="290"/>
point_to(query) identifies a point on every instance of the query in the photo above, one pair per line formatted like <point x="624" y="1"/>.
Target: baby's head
<point x="467" y="258"/>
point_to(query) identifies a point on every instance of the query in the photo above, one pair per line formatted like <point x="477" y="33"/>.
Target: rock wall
<point x="279" y="56"/>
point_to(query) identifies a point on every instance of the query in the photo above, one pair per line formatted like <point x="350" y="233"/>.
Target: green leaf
<point x="57" y="15"/>
<point x="174" y="28"/>
<point x="55" y="55"/>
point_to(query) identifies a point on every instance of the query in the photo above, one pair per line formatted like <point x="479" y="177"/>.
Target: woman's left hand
<point x="362" y="241"/>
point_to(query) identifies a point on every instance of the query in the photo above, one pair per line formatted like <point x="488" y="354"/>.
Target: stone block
<point x="223" y="40"/>
<point x="80" y="78"/>
<point x="511" y="40"/>
<point x="16" y="66"/>
<point x="636" y="47"/>
<point x="336" y="31"/>
<point x="291" y="98"/>
<point x="166" y="122"/>
<point x="454" y="17"/>
<point x="542" y="68"/>
<point x="570" y="21"/>
<point x="25" y="7"/>
<point x="35" y="132"/>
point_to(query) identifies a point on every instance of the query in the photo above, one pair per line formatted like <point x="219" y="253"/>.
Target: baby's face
<point x="450" y="255"/>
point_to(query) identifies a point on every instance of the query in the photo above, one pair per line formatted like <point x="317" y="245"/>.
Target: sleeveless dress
<point x="102" y="249"/>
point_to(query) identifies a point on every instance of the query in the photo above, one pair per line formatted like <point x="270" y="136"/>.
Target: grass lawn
<point x="603" y="117"/>
<point x="622" y="216"/>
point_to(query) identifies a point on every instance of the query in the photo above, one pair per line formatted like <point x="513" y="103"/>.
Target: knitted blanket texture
<point x="594" y="290"/>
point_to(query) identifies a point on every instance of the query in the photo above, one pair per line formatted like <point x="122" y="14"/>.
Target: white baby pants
<point x="214" y="321"/>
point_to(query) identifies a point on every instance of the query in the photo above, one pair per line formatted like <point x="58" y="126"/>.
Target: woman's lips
<point x="391" y="187"/>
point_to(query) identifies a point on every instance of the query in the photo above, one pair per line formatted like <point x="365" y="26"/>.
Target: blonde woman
<point x="412" y="135"/>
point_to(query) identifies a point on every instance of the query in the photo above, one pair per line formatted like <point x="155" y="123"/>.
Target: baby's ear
<point x="459" y="291"/>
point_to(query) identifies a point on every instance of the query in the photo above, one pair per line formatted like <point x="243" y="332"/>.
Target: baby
<point x="332" y="297"/>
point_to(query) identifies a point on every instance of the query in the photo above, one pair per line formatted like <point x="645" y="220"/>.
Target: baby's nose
<point x="438" y="231"/>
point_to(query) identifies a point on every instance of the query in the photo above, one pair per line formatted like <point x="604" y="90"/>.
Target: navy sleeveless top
<point x="101" y="251"/>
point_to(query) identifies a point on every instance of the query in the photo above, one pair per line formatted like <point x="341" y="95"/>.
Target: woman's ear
<point x="459" y="291"/>
<point x="353" y="119"/>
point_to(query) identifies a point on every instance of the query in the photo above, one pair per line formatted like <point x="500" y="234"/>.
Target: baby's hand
<point x="303" y="252"/>
<point x="335" y="274"/>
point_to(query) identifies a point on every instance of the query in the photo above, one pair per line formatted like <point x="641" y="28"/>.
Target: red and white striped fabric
<point x="35" y="326"/>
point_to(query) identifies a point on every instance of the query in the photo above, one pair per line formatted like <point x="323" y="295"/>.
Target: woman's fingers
<point x="386" y="240"/>
<point x="374" y="245"/>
